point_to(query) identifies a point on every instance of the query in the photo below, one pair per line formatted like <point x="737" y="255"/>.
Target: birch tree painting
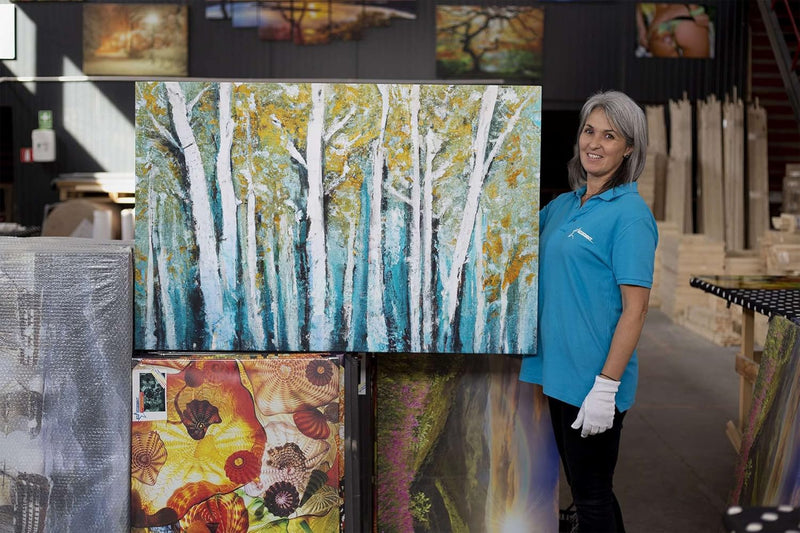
<point x="325" y="217"/>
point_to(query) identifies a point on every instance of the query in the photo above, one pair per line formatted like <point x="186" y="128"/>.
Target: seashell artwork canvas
<point x="245" y="442"/>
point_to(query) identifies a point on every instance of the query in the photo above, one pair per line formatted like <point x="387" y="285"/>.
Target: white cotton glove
<point x="597" y="412"/>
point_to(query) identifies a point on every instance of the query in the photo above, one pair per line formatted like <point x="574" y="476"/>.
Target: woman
<point x="596" y="251"/>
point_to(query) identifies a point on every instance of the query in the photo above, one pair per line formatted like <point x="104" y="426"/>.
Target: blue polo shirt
<point x="585" y="254"/>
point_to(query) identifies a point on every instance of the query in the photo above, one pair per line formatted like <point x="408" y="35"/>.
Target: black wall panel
<point x="588" y="45"/>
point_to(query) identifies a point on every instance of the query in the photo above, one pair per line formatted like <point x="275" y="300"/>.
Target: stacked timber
<point x="668" y="228"/>
<point x="710" y="211"/>
<point x="710" y="316"/>
<point x="733" y="172"/>
<point x="678" y="189"/>
<point x="757" y="174"/>
<point x="652" y="182"/>
<point x="781" y="252"/>
<point x="682" y="258"/>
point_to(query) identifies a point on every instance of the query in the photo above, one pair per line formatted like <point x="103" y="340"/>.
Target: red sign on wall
<point x="26" y="155"/>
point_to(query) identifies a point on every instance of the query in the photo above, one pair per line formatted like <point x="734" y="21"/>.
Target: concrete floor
<point x="676" y="464"/>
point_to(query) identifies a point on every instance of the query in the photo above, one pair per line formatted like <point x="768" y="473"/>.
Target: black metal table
<point x="767" y="295"/>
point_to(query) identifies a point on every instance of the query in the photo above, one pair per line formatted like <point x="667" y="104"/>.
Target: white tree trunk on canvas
<point x="271" y="271"/>
<point x="480" y="297"/>
<point x="470" y="209"/>
<point x="503" y="317"/>
<point x="157" y="265"/>
<point x="149" y="310"/>
<point x="253" y="301"/>
<point x="217" y="324"/>
<point x="376" y="322"/>
<point x="432" y="145"/>
<point x="228" y="244"/>
<point x="415" y="239"/>
<point x="319" y="329"/>
<point x="349" y="282"/>
<point x="170" y="335"/>
<point x="254" y="306"/>
<point x="289" y="296"/>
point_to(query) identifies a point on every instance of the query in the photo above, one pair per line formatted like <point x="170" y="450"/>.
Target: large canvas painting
<point x="238" y="444"/>
<point x="768" y="468"/>
<point x="135" y="39"/>
<point x="337" y="217"/>
<point x="462" y="445"/>
<point x="65" y="345"/>
<point x="489" y="42"/>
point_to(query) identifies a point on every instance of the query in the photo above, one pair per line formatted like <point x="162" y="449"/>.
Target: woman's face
<point x="602" y="148"/>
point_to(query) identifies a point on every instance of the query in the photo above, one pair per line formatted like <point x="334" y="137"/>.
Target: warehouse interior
<point x="714" y="426"/>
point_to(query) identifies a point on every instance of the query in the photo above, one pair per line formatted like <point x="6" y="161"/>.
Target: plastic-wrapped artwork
<point x="238" y="442"/>
<point x="65" y="344"/>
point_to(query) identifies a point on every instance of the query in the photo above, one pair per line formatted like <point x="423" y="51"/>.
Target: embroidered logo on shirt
<point x="583" y="234"/>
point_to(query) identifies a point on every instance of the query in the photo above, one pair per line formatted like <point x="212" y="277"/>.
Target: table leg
<point x="747" y="368"/>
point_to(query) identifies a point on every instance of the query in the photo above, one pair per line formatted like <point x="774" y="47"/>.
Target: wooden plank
<point x="710" y="216"/>
<point x="734" y="435"/>
<point x="733" y="172"/>
<point x="757" y="174"/>
<point x="678" y="196"/>
<point x="746" y="352"/>
<point x="747" y="368"/>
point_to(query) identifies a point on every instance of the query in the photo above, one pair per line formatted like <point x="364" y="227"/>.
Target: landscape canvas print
<point x="135" y="39"/>
<point x="462" y="445"/>
<point x="337" y="217"/>
<point x="237" y="444"/>
<point x="768" y="468"/>
<point x="304" y="22"/>
<point x="494" y="42"/>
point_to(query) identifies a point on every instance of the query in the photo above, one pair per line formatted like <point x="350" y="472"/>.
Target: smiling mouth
<point x="593" y="156"/>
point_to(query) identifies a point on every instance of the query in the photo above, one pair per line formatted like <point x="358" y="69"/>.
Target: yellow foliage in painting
<point x="492" y="245"/>
<point x="148" y="93"/>
<point x="515" y="267"/>
<point x="491" y="190"/>
<point x="512" y="178"/>
<point x="506" y="221"/>
<point x="491" y="285"/>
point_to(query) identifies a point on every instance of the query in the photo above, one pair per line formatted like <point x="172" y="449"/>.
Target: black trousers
<point x="589" y="467"/>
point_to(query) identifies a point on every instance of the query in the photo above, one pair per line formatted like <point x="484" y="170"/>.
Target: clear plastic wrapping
<point x="65" y="354"/>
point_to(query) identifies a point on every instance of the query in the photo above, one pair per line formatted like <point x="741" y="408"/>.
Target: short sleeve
<point x="633" y="256"/>
<point x="543" y="216"/>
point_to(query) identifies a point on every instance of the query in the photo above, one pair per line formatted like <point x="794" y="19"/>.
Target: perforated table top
<point x="768" y="295"/>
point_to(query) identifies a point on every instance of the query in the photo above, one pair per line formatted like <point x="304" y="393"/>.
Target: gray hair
<point x="628" y="119"/>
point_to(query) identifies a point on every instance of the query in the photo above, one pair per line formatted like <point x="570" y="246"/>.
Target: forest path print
<point x="323" y="217"/>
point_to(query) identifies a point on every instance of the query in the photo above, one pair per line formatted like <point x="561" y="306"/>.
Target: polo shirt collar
<point x="610" y="194"/>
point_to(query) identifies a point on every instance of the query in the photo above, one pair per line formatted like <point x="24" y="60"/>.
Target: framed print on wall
<point x="475" y="42"/>
<point x="135" y="39"/>
<point x="674" y="30"/>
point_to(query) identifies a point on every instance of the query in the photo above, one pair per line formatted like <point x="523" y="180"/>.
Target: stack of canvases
<point x="65" y="345"/>
<point x="718" y="248"/>
<point x="319" y="219"/>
